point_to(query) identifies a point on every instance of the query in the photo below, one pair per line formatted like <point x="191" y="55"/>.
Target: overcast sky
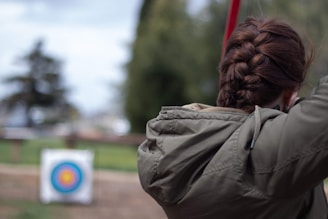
<point x="91" y="38"/>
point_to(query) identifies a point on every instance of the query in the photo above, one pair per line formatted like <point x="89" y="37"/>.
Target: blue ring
<point x="55" y="180"/>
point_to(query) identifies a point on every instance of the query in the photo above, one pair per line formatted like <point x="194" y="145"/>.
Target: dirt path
<point x="115" y="195"/>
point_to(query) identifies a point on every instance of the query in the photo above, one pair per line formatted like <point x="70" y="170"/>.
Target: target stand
<point x="66" y="176"/>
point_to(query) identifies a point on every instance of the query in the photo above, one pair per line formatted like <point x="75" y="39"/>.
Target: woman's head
<point x="263" y="59"/>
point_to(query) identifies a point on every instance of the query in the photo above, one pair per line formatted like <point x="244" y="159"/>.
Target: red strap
<point x="230" y="23"/>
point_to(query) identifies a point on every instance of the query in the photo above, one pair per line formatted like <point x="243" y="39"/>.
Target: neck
<point x="276" y="104"/>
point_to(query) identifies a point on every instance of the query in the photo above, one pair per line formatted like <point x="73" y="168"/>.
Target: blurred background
<point x="78" y="74"/>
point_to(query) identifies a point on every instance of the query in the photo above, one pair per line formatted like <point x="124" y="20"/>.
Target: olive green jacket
<point x="202" y="162"/>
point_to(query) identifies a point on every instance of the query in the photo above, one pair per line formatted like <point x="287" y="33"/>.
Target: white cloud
<point x="11" y="10"/>
<point x="90" y="36"/>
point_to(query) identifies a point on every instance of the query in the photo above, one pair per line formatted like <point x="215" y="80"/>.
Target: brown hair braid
<point x="263" y="58"/>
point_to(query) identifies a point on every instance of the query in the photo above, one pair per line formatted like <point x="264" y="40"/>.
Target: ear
<point x="289" y="98"/>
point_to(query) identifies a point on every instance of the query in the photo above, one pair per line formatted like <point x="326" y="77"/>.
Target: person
<point x="261" y="153"/>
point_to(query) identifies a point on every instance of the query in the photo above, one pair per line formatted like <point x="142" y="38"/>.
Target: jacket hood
<point x="181" y="143"/>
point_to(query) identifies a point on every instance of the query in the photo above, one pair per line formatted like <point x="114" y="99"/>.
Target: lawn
<point x="22" y="209"/>
<point x="107" y="156"/>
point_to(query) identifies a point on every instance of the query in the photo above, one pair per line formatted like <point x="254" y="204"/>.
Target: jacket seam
<point x="290" y="160"/>
<point x="218" y="170"/>
<point x="218" y="119"/>
<point x="235" y="157"/>
<point x="167" y="109"/>
<point x="157" y="158"/>
<point x="171" y="127"/>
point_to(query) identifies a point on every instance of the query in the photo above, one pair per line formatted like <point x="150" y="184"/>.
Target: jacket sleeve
<point x="290" y="155"/>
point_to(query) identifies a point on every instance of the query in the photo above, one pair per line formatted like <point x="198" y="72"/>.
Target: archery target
<point x="66" y="176"/>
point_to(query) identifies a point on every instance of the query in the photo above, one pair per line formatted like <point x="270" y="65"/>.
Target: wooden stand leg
<point x="16" y="146"/>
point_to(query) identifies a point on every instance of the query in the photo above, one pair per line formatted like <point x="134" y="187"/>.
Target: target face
<point x="66" y="177"/>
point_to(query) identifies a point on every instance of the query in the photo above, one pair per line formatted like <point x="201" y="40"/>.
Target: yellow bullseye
<point x="66" y="177"/>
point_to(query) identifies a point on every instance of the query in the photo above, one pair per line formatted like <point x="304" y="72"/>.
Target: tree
<point x="159" y="64"/>
<point x="40" y="88"/>
<point x="211" y="26"/>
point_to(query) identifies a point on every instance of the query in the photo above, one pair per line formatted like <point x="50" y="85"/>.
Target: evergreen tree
<point x="159" y="64"/>
<point x="40" y="87"/>
<point x="211" y="24"/>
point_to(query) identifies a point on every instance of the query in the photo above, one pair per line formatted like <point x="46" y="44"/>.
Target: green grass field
<point x="107" y="156"/>
<point x="33" y="210"/>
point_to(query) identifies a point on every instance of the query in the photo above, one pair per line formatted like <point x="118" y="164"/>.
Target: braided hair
<point x="263" y="58"/>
